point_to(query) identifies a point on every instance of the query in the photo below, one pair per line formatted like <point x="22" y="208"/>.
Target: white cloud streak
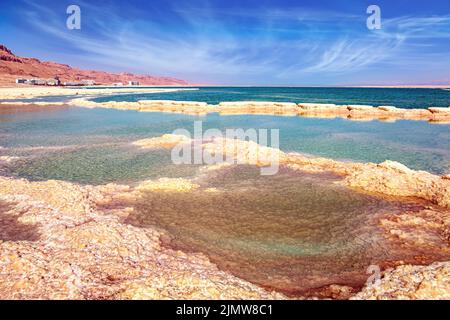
<point x="211" y="50"/>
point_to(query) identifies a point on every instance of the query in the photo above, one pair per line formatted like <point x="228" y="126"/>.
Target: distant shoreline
<point x="443" y="87"/>
<point x="447" y="87"/>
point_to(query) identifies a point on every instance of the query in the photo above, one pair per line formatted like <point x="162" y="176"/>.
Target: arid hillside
<point x="12" y="67"/>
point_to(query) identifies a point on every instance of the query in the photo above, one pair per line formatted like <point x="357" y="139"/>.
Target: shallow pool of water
<point x="292" y="232"/>
<point x="94" y="146"/>
<point x="399" y="97"/>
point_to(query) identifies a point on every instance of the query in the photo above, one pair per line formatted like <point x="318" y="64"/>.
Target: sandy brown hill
<point x="12" y="67"/>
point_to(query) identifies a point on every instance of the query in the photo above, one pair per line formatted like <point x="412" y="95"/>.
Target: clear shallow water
<point x="291" y="232"/>
<point x="46" y="99"/>
<point x="403" y="98"/>
<point x="93" y="145"/>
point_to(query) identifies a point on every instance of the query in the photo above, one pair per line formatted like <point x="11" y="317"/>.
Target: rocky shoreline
<point x="388" y="178"/>
<point x="352" y="112"/>
<point x="60" y="240"/>
<point x="317" y="110"/>
<point x="70" y="242"/>
<point x="411" y="282"/>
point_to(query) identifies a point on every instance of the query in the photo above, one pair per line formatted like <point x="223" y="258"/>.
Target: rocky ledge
<point x="63" y="241"/>
<point x="60" y="240"/>
<point x="388" y="178"/>
<point x="352" y="112"/>
<point x="166" y="141"/>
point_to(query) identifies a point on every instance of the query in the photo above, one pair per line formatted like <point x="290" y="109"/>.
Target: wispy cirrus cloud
<point x="420" y="27"/>
<point x="346" y="55"/>
<point x="227" y="45"/>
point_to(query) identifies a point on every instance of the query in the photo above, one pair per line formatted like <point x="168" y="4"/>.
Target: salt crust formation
<point x="38" y="91"/>
<point x="352" y="112"/>
<point x="64" y="241"/>
<point x="389" y="178"/>
<point x="60" y="240"/>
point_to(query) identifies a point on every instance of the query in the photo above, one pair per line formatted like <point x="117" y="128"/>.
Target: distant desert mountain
<point x="12" y="67"/>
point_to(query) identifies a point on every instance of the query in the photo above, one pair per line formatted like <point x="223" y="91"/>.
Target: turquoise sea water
<point x="94" y="145"/>
<point x="403" y="98"/>
<point x="291" y="232"/>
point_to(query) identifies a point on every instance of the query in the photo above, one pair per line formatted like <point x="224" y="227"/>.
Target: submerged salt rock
<point x="8" y="159"/>
<point x="166" y="141"/>
<point x="168" y="185"/>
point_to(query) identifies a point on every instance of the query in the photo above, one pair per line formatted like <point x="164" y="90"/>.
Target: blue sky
<point x="243" y="42"/>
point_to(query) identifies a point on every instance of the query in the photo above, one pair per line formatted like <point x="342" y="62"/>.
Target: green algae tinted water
<point x="63" y="143"/>
<point x="399" y="97"/>
<point x="292" y="232"/>
<point x="93" y="146"/>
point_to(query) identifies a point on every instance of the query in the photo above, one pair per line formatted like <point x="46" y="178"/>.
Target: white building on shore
<point x="53" y="82"/>
<point x="88" y="82"/>
<point x="36" y="82"/>
<point x="39" y="82"/>
<point x="72" y="84"/>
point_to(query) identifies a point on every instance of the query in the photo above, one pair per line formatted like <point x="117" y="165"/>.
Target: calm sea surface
<point x="403" y="98"/>
<point x="94" y="145"/>
<point x="291" y="232"/>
